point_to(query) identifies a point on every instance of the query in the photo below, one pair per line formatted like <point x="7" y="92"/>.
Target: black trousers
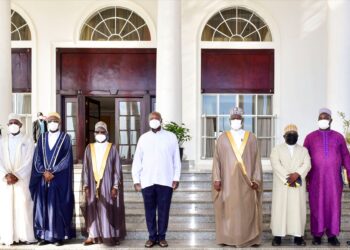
<point x="157" y="199"/>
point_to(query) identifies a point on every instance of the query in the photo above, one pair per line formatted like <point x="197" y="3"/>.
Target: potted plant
<point x="346" y="126"/>
<point x="181" y="132"/>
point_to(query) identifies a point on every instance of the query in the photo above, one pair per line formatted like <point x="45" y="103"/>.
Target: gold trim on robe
<point x="98" y="173"/>
<point x="239" y="152"/>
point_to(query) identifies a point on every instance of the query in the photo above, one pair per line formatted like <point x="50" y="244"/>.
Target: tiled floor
<point x="173" y="244"/>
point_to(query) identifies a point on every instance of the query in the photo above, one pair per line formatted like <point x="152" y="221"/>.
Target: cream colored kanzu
<point x="288" y="215"/>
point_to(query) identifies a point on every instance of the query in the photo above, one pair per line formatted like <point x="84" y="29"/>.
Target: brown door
<point x="92" y="116"/>
<point x="130" y="124"/>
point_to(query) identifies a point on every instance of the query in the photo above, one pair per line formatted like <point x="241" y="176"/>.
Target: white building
<point x="193" y="59"/>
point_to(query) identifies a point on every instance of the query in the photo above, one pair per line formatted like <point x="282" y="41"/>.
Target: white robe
<point x="16" y="210"/>
<point x="288" y="214"/>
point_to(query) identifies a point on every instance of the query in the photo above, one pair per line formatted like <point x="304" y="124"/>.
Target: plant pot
<point x="181" y="153"/>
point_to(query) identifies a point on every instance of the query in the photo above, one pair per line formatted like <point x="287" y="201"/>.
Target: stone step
<point x="192" y="210"/>
<point x="201" y="218"/>
<point x="192" y="213"/>
<point x="195" y="186"/>
<point x="201" y="231"/>
<point x="200" y="198"/>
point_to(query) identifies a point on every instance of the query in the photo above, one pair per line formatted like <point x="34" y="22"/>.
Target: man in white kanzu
<point x="16" y="210"/>
<point x="156" y="173"/>
<point x="290" y="164"/>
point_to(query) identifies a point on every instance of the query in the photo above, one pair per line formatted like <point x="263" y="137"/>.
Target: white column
<point x="5" y="62"/>
<point x="338" y="87"/>
<point x="169" y="84"/>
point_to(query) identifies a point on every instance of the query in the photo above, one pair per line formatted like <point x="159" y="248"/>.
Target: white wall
<point x="300" y="39"/>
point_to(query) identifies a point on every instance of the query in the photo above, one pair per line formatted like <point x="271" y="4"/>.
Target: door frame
<point x="144" y="111"/>
<point x="146" y="108"/>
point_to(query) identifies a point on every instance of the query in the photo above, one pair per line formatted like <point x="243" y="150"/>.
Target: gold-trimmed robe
<point x="237" y="206"/>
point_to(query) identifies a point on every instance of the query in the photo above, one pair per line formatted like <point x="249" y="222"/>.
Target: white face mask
<point x="53" y="126"/>
<point x="154" y="123"/>
<point x="13" y="129"/>
<point x="323" y="124"/>
<point x="236" y="124"/>
<point x="100" y="137"/>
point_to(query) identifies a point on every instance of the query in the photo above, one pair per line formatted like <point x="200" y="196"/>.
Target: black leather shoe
<point x="276" y="241"/>
<point x="299" y="241"/>
<point x="59" y="243"/>
<point x="317" y="241"/>
<point x="333" y="241"/>
<point x="43" y="242"/>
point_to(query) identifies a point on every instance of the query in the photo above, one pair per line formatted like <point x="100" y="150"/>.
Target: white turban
<point x="14" y="116"/>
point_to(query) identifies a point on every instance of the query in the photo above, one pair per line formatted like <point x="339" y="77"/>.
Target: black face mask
<point x="291" y="138"/>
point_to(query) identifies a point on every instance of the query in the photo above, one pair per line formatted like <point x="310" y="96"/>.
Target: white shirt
<point x="53" y="138"/>
<point x="291" y="149"/>
<point x="238" y="136"/>
<point x="13" y="143"/>
<point x="157" y="159"/>
<point x="100" y="149"/>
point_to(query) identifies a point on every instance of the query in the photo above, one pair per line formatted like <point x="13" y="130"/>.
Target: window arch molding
<point x="28" y="20"/>
<point x="92" y="10"/>
<point x="275" y="44"/>
<point x="253" y="7"/>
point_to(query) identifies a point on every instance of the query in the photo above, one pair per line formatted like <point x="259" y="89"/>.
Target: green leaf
<point x="182" y="133"/>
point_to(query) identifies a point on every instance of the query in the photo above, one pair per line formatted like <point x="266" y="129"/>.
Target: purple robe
<point x="104" y="218"/>
<point x="329" y="153"/>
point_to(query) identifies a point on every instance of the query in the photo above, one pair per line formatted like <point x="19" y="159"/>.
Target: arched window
<point x="236" y="24"/>
<point x="19" y="28"/>
<point x="115" y="24"/>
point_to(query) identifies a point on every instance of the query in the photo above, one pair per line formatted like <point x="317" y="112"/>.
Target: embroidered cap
<point x="54" y="114"/>
<point x="101" y="124"/>
<point x="236" y="111"/>
<point x="291" y="128"/>
<point x="325" y="111"/>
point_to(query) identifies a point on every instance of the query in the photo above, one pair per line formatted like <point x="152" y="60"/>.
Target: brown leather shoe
<point x="150" y="243"/>
<point x="163" y="243"/>
<point x="88" y="242"/>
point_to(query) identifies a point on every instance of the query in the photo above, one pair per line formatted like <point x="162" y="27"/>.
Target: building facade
<point x="192" y="60"/>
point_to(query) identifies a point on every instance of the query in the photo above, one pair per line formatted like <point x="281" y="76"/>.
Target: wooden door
<point x="92" y="116"/>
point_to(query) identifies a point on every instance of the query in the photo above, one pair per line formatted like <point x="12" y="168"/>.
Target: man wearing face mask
<point x="237" y="186"/>
<point x="156" y="173"/>
<point x="290" y="164"/>
<point x="102" y="202"/>
<point x="39" y="127"/>
<point x="328" y="152"/>
<point x="51" y="185"/>
<point x="16" y="155"/>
